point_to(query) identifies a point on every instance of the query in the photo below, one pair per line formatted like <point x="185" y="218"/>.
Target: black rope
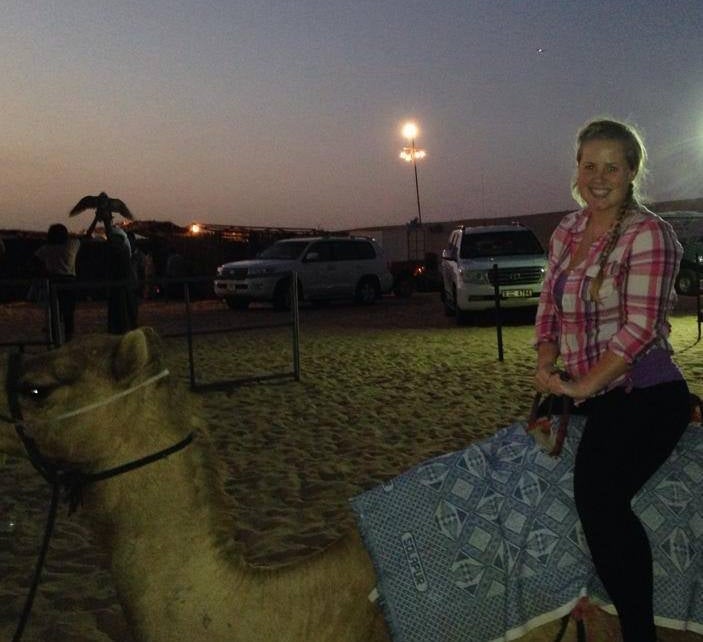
<point x="74" y="481"/>
<point x="581" y="631"/>
<point x="562" y="627"/>
<point x="48" y="530"/>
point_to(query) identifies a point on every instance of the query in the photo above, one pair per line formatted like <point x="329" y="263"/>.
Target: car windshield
<point x="505" y="243"/>
<point x="284" y="250"/>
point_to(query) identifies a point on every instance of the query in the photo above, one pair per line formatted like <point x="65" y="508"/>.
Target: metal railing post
<point x="699" y="312"/>
<point x="189" y="334"/>
<point x="499" y="316"/>
<point x="296" y="324"/>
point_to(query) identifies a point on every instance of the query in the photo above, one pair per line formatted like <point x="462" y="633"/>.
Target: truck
<point x="412" y="252"/>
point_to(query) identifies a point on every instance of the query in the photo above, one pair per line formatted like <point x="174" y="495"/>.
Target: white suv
<point x="328" y="267"/>
<point x="467" y="268"/>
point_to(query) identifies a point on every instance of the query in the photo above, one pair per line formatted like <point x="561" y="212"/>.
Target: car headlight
<point x="474" y="276"/>
<point x="700" y="259"/>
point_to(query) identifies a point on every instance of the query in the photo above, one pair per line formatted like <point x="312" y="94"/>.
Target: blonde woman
<point x="603" y="315"/>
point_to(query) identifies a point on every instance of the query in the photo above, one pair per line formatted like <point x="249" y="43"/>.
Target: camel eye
<point x="34" y="391"/>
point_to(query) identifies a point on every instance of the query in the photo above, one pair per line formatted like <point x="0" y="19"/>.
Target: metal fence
<point x="45" y="295"/>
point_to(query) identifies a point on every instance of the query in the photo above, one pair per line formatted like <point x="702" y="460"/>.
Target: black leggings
<point x="627" y="437"/>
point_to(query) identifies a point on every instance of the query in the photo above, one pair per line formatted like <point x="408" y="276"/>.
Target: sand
<point x="382" y="388"/>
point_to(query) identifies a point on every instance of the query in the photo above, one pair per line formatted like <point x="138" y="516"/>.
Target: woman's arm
<point x="547" y="354"/>
<point x="652" y="265"/>
<point x="546" y="338"/>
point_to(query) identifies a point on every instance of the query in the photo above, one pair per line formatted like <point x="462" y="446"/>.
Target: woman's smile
<point x="604" y="175"/>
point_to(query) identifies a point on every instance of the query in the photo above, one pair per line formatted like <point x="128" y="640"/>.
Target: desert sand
<point x="382" y="388"/>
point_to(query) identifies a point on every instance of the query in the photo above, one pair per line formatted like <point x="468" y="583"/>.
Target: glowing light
<point x="408" y="154"/>
<point x="410" y="130"/>
<point x="195" y="229"/>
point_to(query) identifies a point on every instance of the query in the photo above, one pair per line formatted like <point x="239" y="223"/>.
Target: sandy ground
<point x="382" y="388"/>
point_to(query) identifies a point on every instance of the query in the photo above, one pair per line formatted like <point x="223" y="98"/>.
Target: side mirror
<point x="311" y="257"/>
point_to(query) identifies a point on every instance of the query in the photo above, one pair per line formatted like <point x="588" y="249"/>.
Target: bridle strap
<point x="14" y="368"/>
<point x="73" y="481"/>
<point x="64" y="477"/>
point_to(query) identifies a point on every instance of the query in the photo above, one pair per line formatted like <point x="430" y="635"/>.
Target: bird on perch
<point x="104" y="207"/>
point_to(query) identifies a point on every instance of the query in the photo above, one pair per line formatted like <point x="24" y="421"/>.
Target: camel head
<point x="71" y="400"/>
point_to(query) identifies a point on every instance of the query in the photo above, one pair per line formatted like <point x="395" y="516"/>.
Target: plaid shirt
<point x="635" y="297"/>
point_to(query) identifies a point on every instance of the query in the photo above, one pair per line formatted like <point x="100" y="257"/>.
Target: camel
<point x="166" y="526"/>
<point x="176" y="570"/>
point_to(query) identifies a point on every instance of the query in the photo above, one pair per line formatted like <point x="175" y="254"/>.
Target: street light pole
<point x="417" y="186"/>
<point x="409" y="154"/>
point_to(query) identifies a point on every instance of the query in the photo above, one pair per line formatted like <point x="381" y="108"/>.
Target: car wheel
<point x="686" y="282"/>
<point x="449" y="309"/>
<point x="462" y="316"/>
<point x="404" y="286"/>
<point x="235" y="303"/>
<point x="367" y="291"/>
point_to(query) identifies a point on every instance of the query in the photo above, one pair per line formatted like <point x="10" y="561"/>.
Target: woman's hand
<point x="543" y="375"/>
<point x="577" y="390"/>
<point x="608" y="368"/>
<point x="549" y="380"/>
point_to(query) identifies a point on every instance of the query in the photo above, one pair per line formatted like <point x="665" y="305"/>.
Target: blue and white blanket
<point x="485" y="543"/>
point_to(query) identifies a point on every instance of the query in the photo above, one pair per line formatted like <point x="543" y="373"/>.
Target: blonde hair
<point x="636" y="157"/>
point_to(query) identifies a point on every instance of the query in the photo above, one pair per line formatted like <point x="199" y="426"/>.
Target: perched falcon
<point x="103" y="205"/>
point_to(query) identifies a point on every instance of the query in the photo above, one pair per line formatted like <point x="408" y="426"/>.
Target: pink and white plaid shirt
<point x="635" y="298"/>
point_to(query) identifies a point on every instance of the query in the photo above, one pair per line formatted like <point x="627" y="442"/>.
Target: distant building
<point x="412" y="242"/>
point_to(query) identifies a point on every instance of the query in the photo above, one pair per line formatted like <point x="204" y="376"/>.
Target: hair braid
<point x="613" y="236"/>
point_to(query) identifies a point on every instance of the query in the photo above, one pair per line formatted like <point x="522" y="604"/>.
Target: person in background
<point x="121" y="298"/>
<point x="603" y="312"/>
<point x="176" y="270"/>
<point x="58" y="261"/>
<point x="149" y="276"/>
<point x="137" y="259"/>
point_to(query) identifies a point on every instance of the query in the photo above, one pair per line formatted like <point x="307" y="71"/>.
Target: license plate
<point x="516" y="294"/>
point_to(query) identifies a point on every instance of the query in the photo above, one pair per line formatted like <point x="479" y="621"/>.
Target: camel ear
<point x="139" y="351"/>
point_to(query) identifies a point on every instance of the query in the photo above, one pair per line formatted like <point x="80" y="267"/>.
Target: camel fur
<point x="166" y="527"/>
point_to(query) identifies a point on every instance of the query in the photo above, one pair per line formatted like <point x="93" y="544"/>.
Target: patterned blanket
<point x="485" y="543"/>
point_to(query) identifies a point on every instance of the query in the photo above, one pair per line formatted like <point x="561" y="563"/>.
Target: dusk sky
<point x="256" y="112"/>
